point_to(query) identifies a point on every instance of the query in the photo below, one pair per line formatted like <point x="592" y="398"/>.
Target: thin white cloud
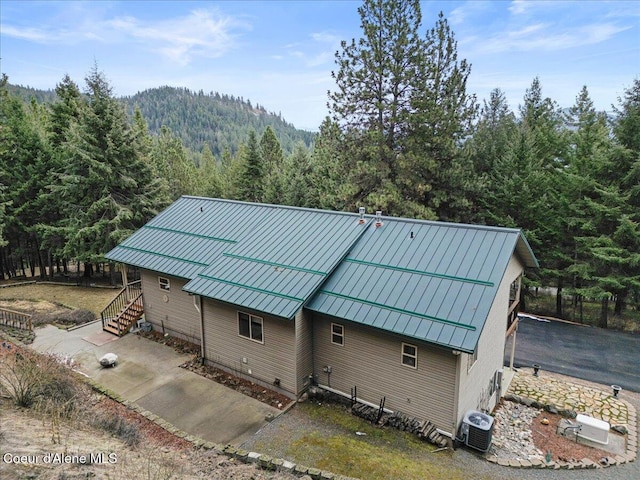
<point x="326" y="37"/>
<point x="461" y="14"/>
<point x="519" y="7"/>
<point x="545" y="37"/>
<point x="30" y="34"/>
<point x="200" y="33"/>
<point x="308" y="54"/>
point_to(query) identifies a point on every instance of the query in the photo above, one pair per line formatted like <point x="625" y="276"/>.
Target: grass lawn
<point x="92" y="299"/>
<point x="324" y="436"/>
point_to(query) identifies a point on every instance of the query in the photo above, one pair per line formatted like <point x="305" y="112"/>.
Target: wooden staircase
<point x="124" y="310"/>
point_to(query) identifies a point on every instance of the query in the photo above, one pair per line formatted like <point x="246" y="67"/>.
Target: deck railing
<point x="15" y="319"/>
<point x="129" y="294"/>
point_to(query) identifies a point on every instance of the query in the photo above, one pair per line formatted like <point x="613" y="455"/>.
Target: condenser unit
<point x="476" y="430"/>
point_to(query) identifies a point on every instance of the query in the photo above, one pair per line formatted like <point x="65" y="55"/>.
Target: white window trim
<point x="404" y="354"/>
<point x="164" y="283"/>
<point x="341" y="335"/>
<point x="250" y="337"/>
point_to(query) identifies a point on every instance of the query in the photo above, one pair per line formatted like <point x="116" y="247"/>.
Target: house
<point x="410" y="310"/>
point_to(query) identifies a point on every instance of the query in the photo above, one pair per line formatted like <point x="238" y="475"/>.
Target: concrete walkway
<point x="149" y="374"/>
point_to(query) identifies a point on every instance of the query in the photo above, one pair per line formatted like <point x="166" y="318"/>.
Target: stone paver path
<point x="569" y="396"/>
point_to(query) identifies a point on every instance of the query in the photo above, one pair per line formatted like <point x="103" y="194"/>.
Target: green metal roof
<point x="431" y="281"/>
<point x="437" y="286"/>
<point x="263" y="257"/>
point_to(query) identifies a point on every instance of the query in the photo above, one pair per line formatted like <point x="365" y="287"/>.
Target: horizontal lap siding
<point x="179" y="316"/>
<point x="275" y="358"/>
<point x="475" y="383"/>
<point x="304" y="349"/>
<point x="371" y="361"/>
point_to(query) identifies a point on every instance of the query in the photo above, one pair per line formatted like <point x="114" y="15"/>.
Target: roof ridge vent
<point x="378" y="218"/>
<point x="362" y="220"/>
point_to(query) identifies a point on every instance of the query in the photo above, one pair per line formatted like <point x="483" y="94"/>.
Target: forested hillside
<point x="219" y="120"/>
<point x="79" y="175"/>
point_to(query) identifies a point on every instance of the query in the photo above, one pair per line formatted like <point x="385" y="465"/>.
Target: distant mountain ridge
<point x="222" y="121"/>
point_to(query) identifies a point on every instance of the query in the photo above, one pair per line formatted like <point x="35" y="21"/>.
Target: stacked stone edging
<point x="263" y="461"/>
<point x="586" y="400"/>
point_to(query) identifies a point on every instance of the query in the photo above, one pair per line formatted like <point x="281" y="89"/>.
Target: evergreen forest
<point x="80" y="169"/>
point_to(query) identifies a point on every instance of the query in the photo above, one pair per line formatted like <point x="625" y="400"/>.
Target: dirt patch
<point x="32" y="307"/>
<point x="194" y="365"/>
<point x="561" y="448"/>
<point x="178" y="344"/>
<point x="241" y="385"/>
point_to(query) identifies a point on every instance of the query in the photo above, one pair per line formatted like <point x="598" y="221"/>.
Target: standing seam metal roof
<point x="432" y="281"/>
<point x="264" y="257"/>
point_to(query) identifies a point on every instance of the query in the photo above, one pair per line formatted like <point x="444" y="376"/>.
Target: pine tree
<point x="608" y="242"/>
<point x="251" y="178"/>
<point x="401" y="102"/>
<point x="209" y="174"/>
<point x="375" y="81"/>
<point x="589" y="147"/>
<point x="24" y="173"/>
<point x="494" y="133"/>
<point x="443" y="116"/>
<point x="3" y="215"/>
<point x="297" y="178"/>
<point x="170" y="160"/>
<point x="329" y="170"/>
<point x="272" y="160"/>
<point x="105" y="188"/>
<point x="541" y="117"/>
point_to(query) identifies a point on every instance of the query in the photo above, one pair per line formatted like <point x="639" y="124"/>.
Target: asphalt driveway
<point x="149" y="374"/>
<point x="602" y="356"/>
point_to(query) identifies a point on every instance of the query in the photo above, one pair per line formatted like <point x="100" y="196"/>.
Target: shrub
<point x="69" y="317"/>
<point x="32" y="379"/>
<point x="119" y="427"/>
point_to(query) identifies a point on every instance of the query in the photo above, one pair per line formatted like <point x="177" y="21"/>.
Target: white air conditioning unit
<point x="476" y="430"/>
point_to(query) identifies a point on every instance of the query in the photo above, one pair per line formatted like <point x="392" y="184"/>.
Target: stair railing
<point x="13" y="319"/>
<point x="131" y="293"/>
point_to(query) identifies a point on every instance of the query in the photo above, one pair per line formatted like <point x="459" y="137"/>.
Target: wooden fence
<point x="15" y="319"/>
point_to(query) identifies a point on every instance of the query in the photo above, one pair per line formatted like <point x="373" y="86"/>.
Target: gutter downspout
<point x="456" y="396"/>
<point x="198" y="299"/>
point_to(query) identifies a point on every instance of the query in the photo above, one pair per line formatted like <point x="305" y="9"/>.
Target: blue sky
<point x="280" y="54"/>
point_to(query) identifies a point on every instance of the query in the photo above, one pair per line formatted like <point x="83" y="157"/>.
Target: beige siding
<point x="304" y="349"/>
<point x="475" y="384"/>
<point x="275" y="358"/>
<point x="371" y="361"/>
<point x="172" y="310"/>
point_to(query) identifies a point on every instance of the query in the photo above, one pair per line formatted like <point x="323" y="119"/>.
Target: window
<point x="250" y="327"/>
<point x="471" y="359"/>
<point x="165" y="284"/>
<point x="410" y="355"/>
<point x="337" y="334"/>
